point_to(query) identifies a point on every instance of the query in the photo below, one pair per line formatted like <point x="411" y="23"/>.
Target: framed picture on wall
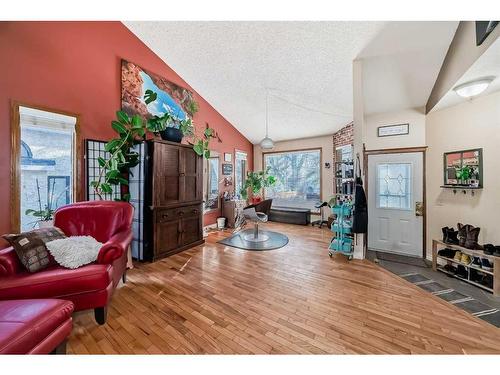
<point x="228" y="157"/>
<point x="391" y="130"/>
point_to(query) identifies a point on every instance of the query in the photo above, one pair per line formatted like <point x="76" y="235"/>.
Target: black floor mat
<point x="419" y="262"/>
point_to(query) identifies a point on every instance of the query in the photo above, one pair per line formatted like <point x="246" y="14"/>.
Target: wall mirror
<point x="211" y="182"/>
<point x="464" y="168"/>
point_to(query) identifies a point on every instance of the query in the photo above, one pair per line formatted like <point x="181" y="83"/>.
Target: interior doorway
<point x="396" y="201"/>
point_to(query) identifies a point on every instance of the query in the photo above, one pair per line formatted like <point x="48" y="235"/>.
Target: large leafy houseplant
<point x="256" y="181"/>
<point x="132" y="130"/>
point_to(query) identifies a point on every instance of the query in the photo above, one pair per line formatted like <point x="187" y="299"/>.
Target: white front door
<point x="395" y="184"/>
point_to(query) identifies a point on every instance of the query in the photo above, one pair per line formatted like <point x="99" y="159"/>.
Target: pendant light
<point x="267" y="143"/>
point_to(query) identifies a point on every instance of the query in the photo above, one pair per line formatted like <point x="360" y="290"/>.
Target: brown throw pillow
<point x="30" y="247"/>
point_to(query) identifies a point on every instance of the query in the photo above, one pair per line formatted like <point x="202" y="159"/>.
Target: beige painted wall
<point x="474" y="124"/>
<point x="415" y="138"/>
<point x="325" y="143"/>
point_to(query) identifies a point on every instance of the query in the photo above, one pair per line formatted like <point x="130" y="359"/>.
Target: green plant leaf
<point x="122" y="180"/>
<point x="198" y="148"/>
<point x="126" y="197"/>
<point x="101" y="161"/>
<point x="136" y="122"/>
<point x="112" y="144"/>
<point x="122" y="117"/>
<point x="118" y="127"/>
<point x="106" y="188"/>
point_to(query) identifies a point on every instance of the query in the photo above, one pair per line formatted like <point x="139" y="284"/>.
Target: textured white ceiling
<point x="402" y="63"/>
<point x="307" y="66"/>
<point x="488" y="64"/>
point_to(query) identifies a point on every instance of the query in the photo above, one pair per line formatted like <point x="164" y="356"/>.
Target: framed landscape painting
<point x="171" y="97"/>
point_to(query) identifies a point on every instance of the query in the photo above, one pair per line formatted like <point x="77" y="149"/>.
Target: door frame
<point x="404" y="150"/>
<point x="15" y="159"/>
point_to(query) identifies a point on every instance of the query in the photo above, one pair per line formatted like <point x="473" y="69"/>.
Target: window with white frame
<point x="298" y="178"/>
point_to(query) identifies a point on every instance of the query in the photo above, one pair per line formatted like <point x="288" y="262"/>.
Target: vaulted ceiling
<point x="305" y="66"/>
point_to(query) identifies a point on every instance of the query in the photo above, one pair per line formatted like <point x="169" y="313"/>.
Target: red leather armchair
<point x="90" y="286"/>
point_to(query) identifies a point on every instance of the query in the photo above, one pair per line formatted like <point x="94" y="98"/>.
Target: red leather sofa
<point x="39" y="326"/>
<point x="90" y="286"/>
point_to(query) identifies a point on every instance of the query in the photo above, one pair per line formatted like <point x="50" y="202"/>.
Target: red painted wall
<point x="75" y="67"/>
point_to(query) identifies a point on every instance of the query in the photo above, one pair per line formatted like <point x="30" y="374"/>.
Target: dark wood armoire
<point x="173" y="197"/>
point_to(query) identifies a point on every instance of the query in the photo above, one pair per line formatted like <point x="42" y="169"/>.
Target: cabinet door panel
<point x="167" y="236"/>
<point x="191" y="176"/>
<point x="166" y="184"/>
<point x="191" y="230"/>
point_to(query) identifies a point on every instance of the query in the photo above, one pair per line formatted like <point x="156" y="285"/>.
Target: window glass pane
<point x="239" y="173"/>
<point x="212" y="192"/>
<point x="297" y="178"/>
<point x="46" y="170"/>
<point x="394" y="186"/>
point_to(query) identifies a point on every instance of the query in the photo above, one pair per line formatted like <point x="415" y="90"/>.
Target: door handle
<point x="419" y="208"/>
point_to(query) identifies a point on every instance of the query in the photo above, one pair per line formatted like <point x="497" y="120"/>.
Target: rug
<point x="419" y="262"/>
<point x="469" y="304"/>
<point x="275" y="240"/>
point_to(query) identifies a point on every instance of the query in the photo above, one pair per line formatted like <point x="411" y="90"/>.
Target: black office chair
<point x="321" y="221"/>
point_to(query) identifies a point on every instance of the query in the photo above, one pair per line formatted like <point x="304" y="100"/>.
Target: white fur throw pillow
<point x="73" y="252"/>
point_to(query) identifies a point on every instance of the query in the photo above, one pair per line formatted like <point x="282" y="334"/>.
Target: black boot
<point x="445" y="234"/>
<point x="452" y="236"/>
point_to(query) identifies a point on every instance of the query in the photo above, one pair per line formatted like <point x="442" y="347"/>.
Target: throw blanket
<point x="74" y="252"/>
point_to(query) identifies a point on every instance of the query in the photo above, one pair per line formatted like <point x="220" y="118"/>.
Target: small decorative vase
<point x="172" y="135"/>
<point x="45" y="224"/>
<point x="256" y="200"/>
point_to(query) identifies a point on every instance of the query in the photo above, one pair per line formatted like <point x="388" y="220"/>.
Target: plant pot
<point x="172" y="135"/>
<point x="221" y="222"/>
<point x="46" y="224"/>
<point x="256" y="200"/>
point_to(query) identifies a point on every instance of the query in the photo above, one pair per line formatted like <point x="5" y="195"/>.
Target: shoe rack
<point x="438" y="245"/>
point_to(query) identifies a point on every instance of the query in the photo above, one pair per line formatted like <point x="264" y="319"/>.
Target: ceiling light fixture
<point x="473" y="88"/>
<point x="267" y="143"/>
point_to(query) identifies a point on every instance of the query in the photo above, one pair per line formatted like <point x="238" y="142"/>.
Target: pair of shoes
<point x="462" y="272"/>
<point x="465" y="259"/>
<point x="447" y="253"/>
<point x="489" y="249"/>
<point x="486" y="265"/>
<point x="450" y="268"/>
<point x="450" y="235"/>
<point x="468" y="235"/>
<point x="476" y="262"/>
<point x="462" y="258"/>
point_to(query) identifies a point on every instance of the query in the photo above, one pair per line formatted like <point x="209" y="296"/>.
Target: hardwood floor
<point x="218" y="299"/>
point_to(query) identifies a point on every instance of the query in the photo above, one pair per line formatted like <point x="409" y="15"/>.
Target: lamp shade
<point x="267" y="143"/>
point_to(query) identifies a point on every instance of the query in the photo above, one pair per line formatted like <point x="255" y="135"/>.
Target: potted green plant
<point x="464" y="174"/>
<point x="255" y="182"/>
<point x="133" y="130"/>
